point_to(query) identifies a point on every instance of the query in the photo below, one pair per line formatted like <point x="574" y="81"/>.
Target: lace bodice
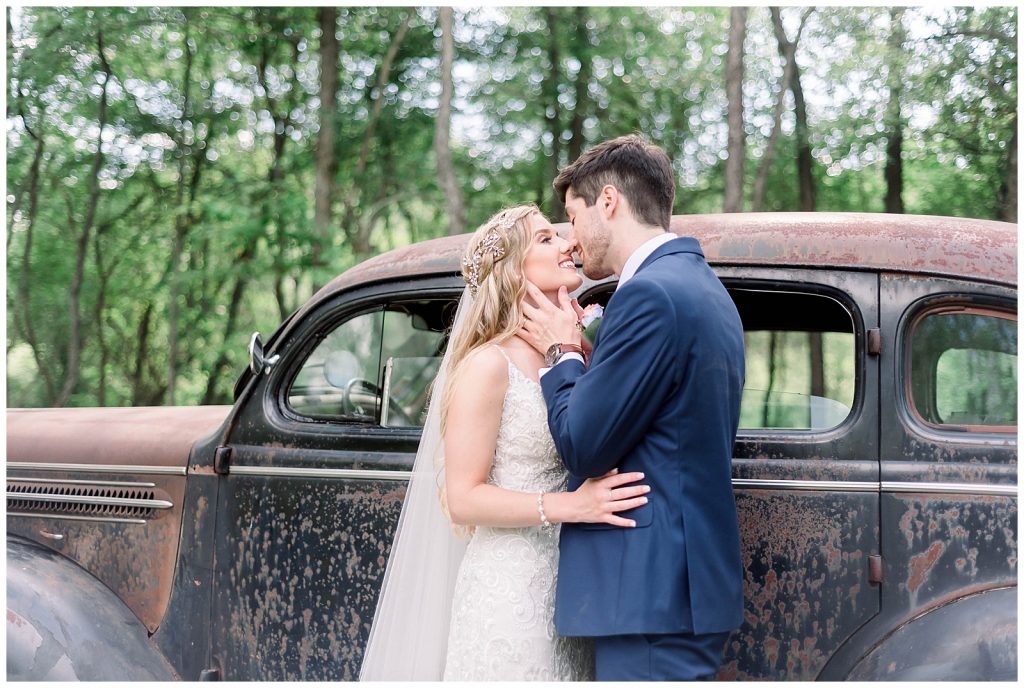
<point x="502" y="624"/>
<point x="525" y="458"/>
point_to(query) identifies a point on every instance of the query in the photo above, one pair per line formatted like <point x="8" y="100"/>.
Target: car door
<point x="948" y="475"/>
<point x="805" y="466"/>
<point x="319" y="461"/>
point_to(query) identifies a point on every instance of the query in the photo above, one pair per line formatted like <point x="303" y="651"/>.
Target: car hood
<point x="152" y="436"/>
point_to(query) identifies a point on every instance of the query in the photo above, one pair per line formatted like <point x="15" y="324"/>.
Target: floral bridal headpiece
<point x="492" y="244"/>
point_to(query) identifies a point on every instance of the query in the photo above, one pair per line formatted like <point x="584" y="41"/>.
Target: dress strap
<point x="503" y="353"/>
<point x="513" y="369"/>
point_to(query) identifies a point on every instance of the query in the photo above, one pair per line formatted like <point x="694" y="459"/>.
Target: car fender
<point x="972" y="638"/>
<point x="64" y="624"/>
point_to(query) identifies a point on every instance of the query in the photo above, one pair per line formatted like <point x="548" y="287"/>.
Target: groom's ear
<point x="608" y="201"/>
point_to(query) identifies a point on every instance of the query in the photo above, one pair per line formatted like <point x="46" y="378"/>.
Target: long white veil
<point x="409" y="636"/>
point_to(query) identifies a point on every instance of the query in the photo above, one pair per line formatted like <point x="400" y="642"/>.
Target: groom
<point x="661" y="395"/>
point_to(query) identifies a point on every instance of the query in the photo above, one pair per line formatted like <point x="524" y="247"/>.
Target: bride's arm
<point x="471" y="434"/>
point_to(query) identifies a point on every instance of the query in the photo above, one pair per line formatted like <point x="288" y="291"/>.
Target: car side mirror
<point x="258" y="363"/>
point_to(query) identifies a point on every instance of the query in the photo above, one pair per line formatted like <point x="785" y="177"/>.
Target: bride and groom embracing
<point x="570" y="518"/>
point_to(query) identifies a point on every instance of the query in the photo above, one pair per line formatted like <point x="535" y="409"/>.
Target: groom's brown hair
<point x="636" y="167"/>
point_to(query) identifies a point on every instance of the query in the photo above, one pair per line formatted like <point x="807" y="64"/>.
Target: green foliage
<point x="196" y="199"/>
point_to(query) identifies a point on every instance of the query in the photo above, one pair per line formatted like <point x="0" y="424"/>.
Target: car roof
<point x="929" y="245"/>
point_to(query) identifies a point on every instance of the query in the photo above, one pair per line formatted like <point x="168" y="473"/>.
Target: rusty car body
<point x="875" y="471"/>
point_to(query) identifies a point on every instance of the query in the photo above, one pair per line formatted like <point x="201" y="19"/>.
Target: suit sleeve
<point x="599" y="414"/>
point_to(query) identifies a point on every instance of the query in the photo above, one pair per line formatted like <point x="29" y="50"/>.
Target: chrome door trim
<point x="950" y="488"/>
<point x="94" y="468"/>
<point x="812" y="485"/>
<point x="104" y="483"/>
<point x="350" y="473"/>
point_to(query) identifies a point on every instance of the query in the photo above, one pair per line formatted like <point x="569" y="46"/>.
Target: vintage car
<point x="875" y="471"/>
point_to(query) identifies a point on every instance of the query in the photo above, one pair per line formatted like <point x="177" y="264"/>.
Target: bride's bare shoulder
<point x="480" y="387"/>
<point x="486" y="365"/>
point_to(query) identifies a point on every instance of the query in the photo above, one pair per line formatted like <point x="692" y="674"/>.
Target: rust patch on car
<point x="921" y="564"/>
<point x="948" y="540"/>
<point x="805" y="587"/>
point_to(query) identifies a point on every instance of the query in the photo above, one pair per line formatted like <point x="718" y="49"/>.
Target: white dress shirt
<point x="642" y="253"/>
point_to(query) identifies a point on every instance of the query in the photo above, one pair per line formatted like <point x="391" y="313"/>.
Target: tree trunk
<point x="804" y="160"/>
<point x="552" y="108"/>
<point x="383" y="77"/>
<point x="104" y="271"/>
<point x="773" y="346"/>
<point x="358" y="233"/>
<point x="101" y="305"/>
<point x="1010" y="198"/>
<point x="74" y="350"/>
<point x="581" y="48"/>
<point x="181" y="222"/>
<point x="789" y="64"/>
<point x="442" y="128"/>
<point x="138" y="373"/>
<point x="893" y="116"/>
<point x="736" y="159"/>
<point x="326" y="162"/>
<point x="817" y="355"/>
<point x="272" y="214"/>
<point x="27" y="327"/>
<point x="210" y="395"/>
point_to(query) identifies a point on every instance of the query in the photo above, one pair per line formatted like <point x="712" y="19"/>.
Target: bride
<point x="469" y="589"/>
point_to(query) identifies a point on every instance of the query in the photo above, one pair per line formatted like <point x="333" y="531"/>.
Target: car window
<point x="963" y="369"/>
<point x="801" y="360"/>
<point x="415" y="335"/>
<point x="376" y="367"/>
<point x="801" y="363"/>
<point x="339" y="378"/>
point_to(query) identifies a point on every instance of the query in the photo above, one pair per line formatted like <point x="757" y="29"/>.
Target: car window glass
<point x="339" y="379"/>
<point x="414" y="341"/>
<point x="963" y="369"/>
<point x="375" y="368"/>
<point x="801" y="360"/>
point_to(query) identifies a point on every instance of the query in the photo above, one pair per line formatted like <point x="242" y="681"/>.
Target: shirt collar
<point x="641" y="254"/>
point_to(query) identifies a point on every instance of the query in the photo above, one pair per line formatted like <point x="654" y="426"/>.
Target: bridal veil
<point x="409" y="636"/>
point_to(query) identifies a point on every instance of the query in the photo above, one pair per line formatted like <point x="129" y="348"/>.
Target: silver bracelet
<point x="544" y="522"/>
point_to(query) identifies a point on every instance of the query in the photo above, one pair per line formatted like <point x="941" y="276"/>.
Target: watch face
<point x="551" y="355"/>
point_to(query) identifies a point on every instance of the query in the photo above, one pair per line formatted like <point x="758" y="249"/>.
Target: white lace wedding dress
<point x="502" y="624"/>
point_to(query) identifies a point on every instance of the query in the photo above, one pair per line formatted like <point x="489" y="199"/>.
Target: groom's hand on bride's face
<point x="546" y="324"/>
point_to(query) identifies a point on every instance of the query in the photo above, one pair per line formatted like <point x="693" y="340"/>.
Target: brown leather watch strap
<point x="574" y="348"/>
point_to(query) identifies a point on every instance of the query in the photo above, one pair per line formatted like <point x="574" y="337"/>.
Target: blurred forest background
<point x="180" y="177"/>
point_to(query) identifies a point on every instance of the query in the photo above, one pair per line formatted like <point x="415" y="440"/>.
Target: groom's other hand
<point x="547" y="324"/>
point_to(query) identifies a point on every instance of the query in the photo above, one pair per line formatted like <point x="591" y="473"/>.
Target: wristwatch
<point x="555" y="352"/>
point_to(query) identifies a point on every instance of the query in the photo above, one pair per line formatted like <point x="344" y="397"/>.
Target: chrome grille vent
<point x="106" y="503"/>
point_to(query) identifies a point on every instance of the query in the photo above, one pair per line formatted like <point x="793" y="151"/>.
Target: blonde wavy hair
<point x="494" y="259"/>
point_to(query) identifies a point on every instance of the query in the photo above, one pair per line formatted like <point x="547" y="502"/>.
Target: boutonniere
<point x="590" y="321"/>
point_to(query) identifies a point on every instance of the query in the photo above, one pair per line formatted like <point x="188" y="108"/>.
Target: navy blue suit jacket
<point x="661" y="395"/>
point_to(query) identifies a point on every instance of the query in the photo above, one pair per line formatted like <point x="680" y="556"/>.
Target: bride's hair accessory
<point x="493" y="243"/>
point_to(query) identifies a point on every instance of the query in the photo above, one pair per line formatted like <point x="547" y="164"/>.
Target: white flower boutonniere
<point x="590" y="321"/>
